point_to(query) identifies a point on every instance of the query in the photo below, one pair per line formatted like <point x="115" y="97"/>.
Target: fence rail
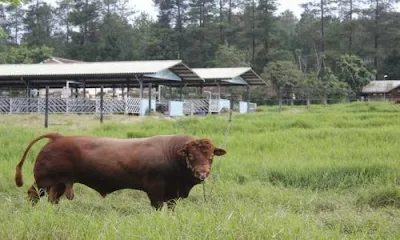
<point x="125" y="106"/>
<point x="63" y="105"/>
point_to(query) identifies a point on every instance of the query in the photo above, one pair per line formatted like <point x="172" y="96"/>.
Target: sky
<point x="148" y="6"/>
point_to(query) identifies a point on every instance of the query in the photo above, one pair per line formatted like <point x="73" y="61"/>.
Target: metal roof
<point x="97" y="73"/>
<point x="230" y="75"/>
<point x="381" y="86"/>
<point x="53" y="59"/>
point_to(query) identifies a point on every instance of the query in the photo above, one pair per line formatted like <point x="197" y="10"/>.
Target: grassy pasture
<point x="318" y="173"/>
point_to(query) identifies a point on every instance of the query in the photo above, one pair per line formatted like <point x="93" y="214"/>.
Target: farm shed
<point x="382" y="90"/>
<point x="68" y="75"/>
<point x="231" y="76"/>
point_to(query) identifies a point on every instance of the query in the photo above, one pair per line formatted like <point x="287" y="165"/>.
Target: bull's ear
<point x="219" y="152"/>
<point x="182" y="151"/>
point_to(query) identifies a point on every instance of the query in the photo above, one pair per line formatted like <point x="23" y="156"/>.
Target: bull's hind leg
<point x="35" y="193"/>
<point x="55" y="193"/>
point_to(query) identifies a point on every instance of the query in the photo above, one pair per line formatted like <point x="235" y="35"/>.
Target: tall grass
<point x="317" y="173"/>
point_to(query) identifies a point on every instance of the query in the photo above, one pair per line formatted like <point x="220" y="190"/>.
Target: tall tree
<point x="377" y="15"/>
<point x="14" y="22"/>
<point x="352" y="70"/>
<point x="38" y="24"/>
<point x="283" y="75"/>
<point x="265" y="27"/>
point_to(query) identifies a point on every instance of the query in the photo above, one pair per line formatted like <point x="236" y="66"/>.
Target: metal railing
<point x="67" y="105"/>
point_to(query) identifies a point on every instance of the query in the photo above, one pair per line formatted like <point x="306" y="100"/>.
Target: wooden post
<point x="76" y="92"/>
<point x="149" y="99"/>
<point x="101" y="104"/>
<point x="46" y="108"/>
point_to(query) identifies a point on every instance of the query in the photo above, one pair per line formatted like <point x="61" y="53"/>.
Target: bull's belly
<point x="105" y="185"/>
<point x="102" y="182"/>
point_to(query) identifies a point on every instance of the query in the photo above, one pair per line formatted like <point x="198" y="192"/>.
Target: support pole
<point x="159" y="92"/>
<point x="28" y="89"/>
<point x="84" y="89"/>
<point x="127" y="87"/>
<point x="141" y="88"/>
<point x="76" y="92"/>
<point x="248" y="99"/>
<point x="219" y="90"/>
<point x="149" y="99"/>
<point x="46" y="108"/>
<point x="180" y="91"/>
<point x="101" y="104"/>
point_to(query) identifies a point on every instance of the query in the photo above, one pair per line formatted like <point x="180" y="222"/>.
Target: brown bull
<point x="165" y="167"/>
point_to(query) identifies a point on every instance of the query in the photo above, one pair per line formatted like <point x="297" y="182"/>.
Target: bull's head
<point x="199" y="156"/>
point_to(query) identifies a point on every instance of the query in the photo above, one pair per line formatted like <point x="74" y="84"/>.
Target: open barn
<point x="75" y="78"/>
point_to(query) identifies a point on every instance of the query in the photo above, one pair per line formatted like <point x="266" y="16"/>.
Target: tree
<point x="13" y="23"/>
<point x="264" y="30"/>
<point x="391" y="65"/>
<point x="328" y="85"/>
<point x="353" y="72"/>
<point x="24" y="54"/>
<point x="230" y="56"/>
<point x="14" y="3"/>
<point x="283" y="74"/>
<point x="376" y="25"/>
<point x="38" y="24"/>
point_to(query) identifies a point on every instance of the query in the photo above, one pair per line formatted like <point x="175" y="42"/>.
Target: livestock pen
<point x="131" y="77"/>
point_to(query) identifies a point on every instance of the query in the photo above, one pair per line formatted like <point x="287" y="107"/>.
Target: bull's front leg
<point x="155" y="193"/>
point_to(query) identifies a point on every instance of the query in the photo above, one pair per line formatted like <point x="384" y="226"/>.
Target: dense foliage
<point x="354" y="40"/>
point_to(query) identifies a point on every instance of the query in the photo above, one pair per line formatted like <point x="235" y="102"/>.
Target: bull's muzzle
<point x="202" y="172"/>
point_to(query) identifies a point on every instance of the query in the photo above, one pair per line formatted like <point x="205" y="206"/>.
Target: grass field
<point x="318" y="173"/>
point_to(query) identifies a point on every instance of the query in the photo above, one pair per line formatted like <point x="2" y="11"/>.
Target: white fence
<point x="63" y="105"/>
<point x="128" y="105"/>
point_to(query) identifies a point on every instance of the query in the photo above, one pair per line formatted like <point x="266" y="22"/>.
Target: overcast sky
<point x="148" y="6"/>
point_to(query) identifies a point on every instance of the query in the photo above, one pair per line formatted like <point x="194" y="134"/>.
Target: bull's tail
<point x="18" y="172"/>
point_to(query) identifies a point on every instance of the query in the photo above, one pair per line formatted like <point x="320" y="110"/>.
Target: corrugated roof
<point x="231" y="75"/>
<point x="87" y="68"/>
<point x="381" y="86"/>
<point x="53" y="59"/>
<point x="95" y="73"/>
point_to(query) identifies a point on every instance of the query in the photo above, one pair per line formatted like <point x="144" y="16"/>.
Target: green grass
<point x="319" y="173"/>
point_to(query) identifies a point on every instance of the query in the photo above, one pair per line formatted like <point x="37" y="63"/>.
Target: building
<point x="382" y="90"/>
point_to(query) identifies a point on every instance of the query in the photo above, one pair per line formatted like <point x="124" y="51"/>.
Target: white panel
<point x="144" y="105"/>
<point x="242" y="107"/>
<point x="175" y="108"/>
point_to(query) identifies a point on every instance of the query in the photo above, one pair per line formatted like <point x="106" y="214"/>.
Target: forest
<point x="333" y="49"/>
